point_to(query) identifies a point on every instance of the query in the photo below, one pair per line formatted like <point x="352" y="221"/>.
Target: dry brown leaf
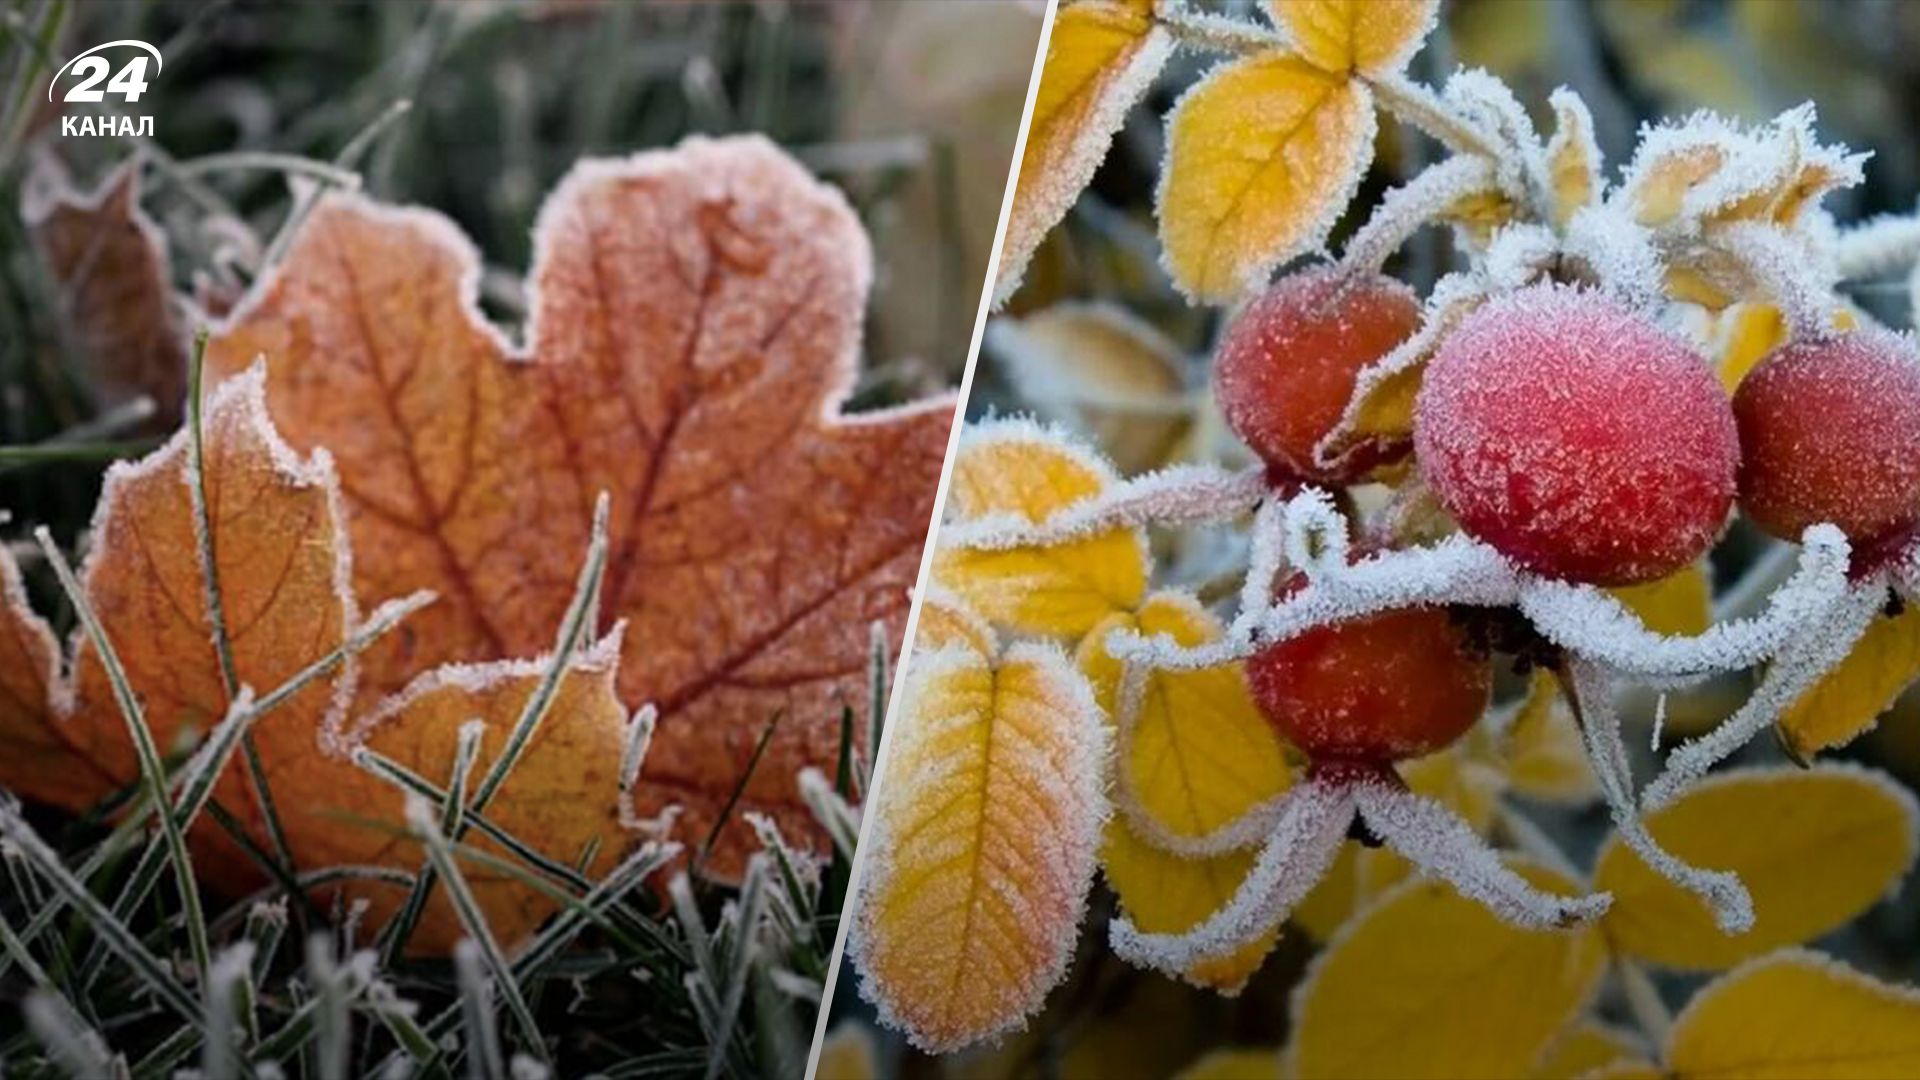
<point x="36" y="760"/>
<point x="696" y="321"/>
<point x="563" y="794"/>
<point x="283" y="567"/>
<point x="108" y="264"/>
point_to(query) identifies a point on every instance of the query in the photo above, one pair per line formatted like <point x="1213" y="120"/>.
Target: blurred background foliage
<point x="1634" y="62"/>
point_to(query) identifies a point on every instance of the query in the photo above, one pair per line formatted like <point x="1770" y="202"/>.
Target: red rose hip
<point x="1375" y="690"/>
<point x="1286" y="367"/>
<point x="1577" y="438"/>
<point x="1830" y="431"/>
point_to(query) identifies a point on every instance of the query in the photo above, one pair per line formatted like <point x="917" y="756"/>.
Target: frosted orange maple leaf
<point x="755" y="532"/>
<point x="695" y="328"/>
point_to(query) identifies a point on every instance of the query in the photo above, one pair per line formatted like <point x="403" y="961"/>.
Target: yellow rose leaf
<point x="945" y="619"/>
<point x="1658" y="190"/>
<point x="847" y="1053"/>
<point x="984" y="834"/>
<point x="1384" y="393"/>
<point x="1101" y="56"/>
<point x="1587" y="1047"/>
<point x="1541" y="749"/>
<point x="1371" y="37"/>
<point x="1793" y="1015"/>
<point x="1015" y="468"/>
<point x="1200" y="756"/>
<point x="1262" y="154"/>
<point x="1678" y="605"/>
<point x="1748" y="332"/>
<point x="1099" y="368"/>
<point x="1850" y="698"/>
<point x="1262" y="1063"/>
<point x="1428" y="983"/>
<point x="1815" y="847"/>
<point x="1573" y="157"/>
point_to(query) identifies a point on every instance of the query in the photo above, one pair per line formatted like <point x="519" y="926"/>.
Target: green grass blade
<point x="124" y="942"/>
<point x="573" y="629"/>
<point x="152" y="775"/>
<point x="467" y="907"/>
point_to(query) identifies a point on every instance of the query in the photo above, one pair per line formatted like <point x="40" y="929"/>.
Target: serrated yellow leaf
<point x="1797" y="1015"/>
<point x="1850" y="698"/>
<point x="1101" y="56"/>
<point x="1542" y="751"/>
<point x="847" y="1054"/>
<point x="1428" y="983"/>
<point x="1749" y="332"/>
<point x="1814" y="847"/>
<point x="1238" y="1064"/>
<point x="983" y="835"/>
<point x="1201" y="755"/>
<point x="1262" y="154"/>
<point x="1017" y="468"/>
<point x="1587" y="1047"/>
<point x="945" y="619"/>
<point x="1680" y="604"/>
<point x="1371" y="37"/>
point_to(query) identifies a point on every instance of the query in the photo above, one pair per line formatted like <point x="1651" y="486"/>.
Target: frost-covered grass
<point x="474" y="109"/>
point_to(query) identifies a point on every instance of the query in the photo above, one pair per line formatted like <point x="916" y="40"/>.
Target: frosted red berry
<point x="1287" y="366"/>
<point x="1579" y="439"/>
<point x="1830" y="431"/>
<point x="1374" y="690"/>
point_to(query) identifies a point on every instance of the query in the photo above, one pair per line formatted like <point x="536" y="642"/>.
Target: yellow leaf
<point x="1101" y="56"/>
<point x="1748" y="333"/>
<point x="1850" y="698"/>
<point x="847" y="1054"/>
<point x="1797" y="1015"/>
<point x="1238" y="1064"/>
<point x="1481" y="214"/>
<point x="1590" y="1046"/>
<point x="1680" y="604"/>
<point x="1381" y="407"/>
<point x="1429" y="983"/>
<point x="1013" y="467"/>
<point x="1661" y="189"/>
<point x="1099" y="368"/>
<point x="1262" y="154"/>
<point x="1573" y="158"/>
<point x="1200" y="756"/>
<point x="1814" y="847"/>
<point x="1371" y="37"/>
<point x="983" y="833"/>
<point x="1542" y="751"/>
<point x="945" y="620"/>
